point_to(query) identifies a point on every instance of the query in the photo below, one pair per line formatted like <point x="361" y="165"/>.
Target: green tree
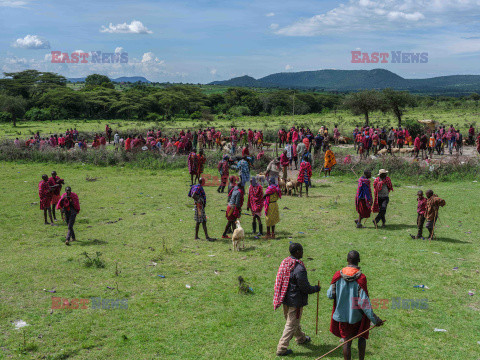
<point x="14" y="105"/>
<point x="97" y="80"/>
<point x="31" y="83"/>
<point x="363" y="103"/>
<point x="397" y="101"/>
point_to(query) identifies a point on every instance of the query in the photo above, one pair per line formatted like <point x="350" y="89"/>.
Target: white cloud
<point x="31" y="42"/>
<point x="213" y="71"/>
<point x="13" y="3"/>
<point x="288" y="67"/>
<point x="270" y="14"/>
<point x="79" y="51"/>
<point x="119" y="50"/>
<point x="150" y="57"/>
<point x="384" y="15"/>
<point x="274" y="26"/>
<point x="135" y="27"/>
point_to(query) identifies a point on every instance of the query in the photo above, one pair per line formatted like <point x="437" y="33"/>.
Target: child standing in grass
<point x="421" y="209"/>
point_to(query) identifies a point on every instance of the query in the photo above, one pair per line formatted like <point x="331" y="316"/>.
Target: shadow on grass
<point x="450" y="240"/>
<point x="318" y="350"/>
<point x="397" y="226"/>
<point x="92" y="242"/>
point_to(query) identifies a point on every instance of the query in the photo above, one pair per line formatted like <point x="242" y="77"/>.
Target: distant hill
<point x="353" y="80"/>
<point x="131" y="79"/>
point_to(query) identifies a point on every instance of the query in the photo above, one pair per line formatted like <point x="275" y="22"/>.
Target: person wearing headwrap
<point x="272" y="215"/>
<point x="255" y="204"/>
<point x="234" y="207"/>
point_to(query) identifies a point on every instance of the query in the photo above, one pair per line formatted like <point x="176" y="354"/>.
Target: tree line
<point x="40" y="96"/>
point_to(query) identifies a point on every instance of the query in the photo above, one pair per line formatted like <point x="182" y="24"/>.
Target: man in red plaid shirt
<point x="292" y="289"/>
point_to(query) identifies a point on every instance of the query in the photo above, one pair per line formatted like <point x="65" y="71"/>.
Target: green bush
<point x="5" y="116"/>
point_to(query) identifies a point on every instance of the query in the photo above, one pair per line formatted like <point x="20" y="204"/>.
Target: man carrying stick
<point x="292" y="289"/>
<point x="71" y="206"/>
<point x="431" y="215"/>
<point x="352" y="310"/>
<point x="198" y="194"/>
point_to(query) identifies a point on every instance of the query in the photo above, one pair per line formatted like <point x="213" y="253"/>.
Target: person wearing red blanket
<point x="255" y="204"/>
<point x="291" y="290"/>
<point x="363" y="200"/>
<point x="71" y="206"/>
<point x="45" y="194"/>
<point x="234" y="207"/>
<point x="352" y="310"/>
<point x="381" y="188"/>
<point x="55" y="184"/>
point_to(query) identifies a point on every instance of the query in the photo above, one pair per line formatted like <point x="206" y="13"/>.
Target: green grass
<point x="459" y="117"/>
<point x="165" y="320"/>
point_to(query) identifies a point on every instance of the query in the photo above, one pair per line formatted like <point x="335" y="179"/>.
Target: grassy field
<point x="136" y="217"/>
<point x="460" y="118"/>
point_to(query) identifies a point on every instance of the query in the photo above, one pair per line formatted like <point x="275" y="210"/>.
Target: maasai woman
<point x="45" y="194"/>
<point x="223" y="169"/>
<point x="192" y="165"/>
<point x="200" y="164"/>
<point x="363" y="199"/>
<point x="330" y="161"/>
<point x="304" y="175"/>
<point x="272" y="215"/>
<point x="255" y="203"/>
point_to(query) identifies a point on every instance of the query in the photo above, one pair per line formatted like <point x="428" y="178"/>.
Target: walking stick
<point x="433" y="229"/>
<point x="363" y="332"/>
<point x="318" y="299"/>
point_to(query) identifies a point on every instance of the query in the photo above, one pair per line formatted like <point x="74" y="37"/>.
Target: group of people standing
<point x="49" y="190"/>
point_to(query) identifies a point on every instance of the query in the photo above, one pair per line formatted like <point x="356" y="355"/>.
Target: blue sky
<point x="202" y="41"/>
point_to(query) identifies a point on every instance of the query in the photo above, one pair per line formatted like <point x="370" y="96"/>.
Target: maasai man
<point x="71" y="206"/>
<point x="478" y="143"/>
<point x="255" y="204"/>
<point x="291" y="290"/>
<point x="45" y="194"/>
<point x="421" y="210"/>
<point x="55" y="184"/>
<point x="224" y="170"/>
<point x="381" y="188"/>
<point x="198" y="195"/>
<point x="273" y="169"/>
<point x="284" y="162"/>
<point x="363" y="199"/>
<point x="234" y="208"/>
<point x="330" y="161"/>
<point x="192" y="165"/>
<point x="200" y="164"/>
<point x="431" y="214"/>
<point x="352" y="310"/>
<point x="304" y="175"/>
<point x="244" y="171"/>
<point x="272" y="215"/>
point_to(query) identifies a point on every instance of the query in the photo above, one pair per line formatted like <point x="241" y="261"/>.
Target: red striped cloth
<point x="283" y="278"/>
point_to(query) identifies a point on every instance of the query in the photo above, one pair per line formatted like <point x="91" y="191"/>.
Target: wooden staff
<point x="363" y="332"/>
<point x="318" y="300"/>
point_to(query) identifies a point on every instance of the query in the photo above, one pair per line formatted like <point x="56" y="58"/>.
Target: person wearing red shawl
<point x="71" y="207"/>
<point x="352" y="311"/>
<point x="363" y="199"/>
<point x="272" y="214"/>
<point x="416" y="146"/>
<point x="45" y="194"/>
<point x="291" y="290"/>
<point x="284" y="162"/>
<point x="245" y="151"/>
<point x="255" y="204"/>
<point x="224" y="170"/>
<point x="234" y="208"/>
<point x="478" y="143"/>
<point x="55" y="184"/>
<point x="381" y="188"/>
<point x="192" y="165"/>
<point x="200" y="164"/>
<point x="421" y="211"/>
<point x="400" y="138"/>
<point x="198" y="195"/>
<point x="304" y="175"/>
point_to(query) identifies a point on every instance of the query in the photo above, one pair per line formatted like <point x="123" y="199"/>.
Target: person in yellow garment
<point x="272" y="215"/>
<point x="330" y="161"/>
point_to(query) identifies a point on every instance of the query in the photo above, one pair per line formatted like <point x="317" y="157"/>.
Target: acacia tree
<point x="14" y="105"/>
<point x="397" y="101"/>
<point x="363" y="103"/>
